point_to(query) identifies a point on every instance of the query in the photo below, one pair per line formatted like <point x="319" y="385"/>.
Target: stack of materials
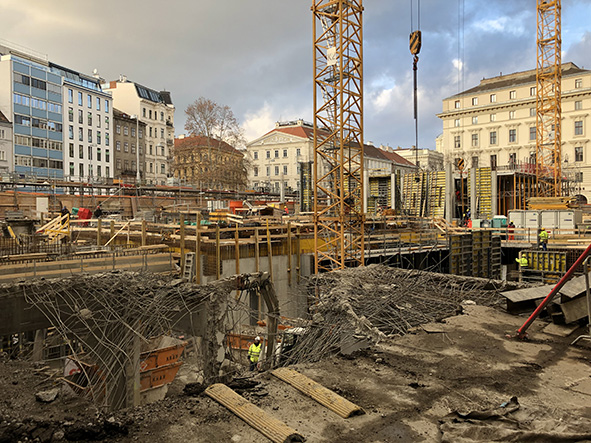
<point x="552" y="203"/>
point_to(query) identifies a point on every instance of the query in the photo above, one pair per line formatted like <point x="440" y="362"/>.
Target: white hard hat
<point x="257" y="338"/>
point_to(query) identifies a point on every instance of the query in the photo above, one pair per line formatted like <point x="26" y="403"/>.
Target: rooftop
<point x="199" y="141"/>
<point x="3" y="118"/>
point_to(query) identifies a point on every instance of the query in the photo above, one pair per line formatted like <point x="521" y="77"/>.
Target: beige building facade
<point x="156" y="110"/>
<point x="494" y="124"/>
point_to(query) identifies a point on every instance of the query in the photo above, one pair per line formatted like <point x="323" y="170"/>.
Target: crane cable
<point x="415" y="48"/>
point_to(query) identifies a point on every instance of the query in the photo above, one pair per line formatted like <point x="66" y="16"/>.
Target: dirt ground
<point x="413" y="388"/>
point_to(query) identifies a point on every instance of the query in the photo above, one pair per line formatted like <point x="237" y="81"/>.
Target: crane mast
<point x="548" y="99"/>
<point x="338" y="134"/>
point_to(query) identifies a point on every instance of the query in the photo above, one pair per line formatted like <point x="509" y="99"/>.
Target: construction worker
<point x="544" y="239"/>
<point x="522" y="260"/>
<point x="510" y="230"/>
<point x="254" y="352"/>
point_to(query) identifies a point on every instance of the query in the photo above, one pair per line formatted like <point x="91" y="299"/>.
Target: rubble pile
<point x="376" y="302"/>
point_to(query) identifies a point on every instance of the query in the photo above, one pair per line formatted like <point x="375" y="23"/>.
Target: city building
<point x="128" y="146"/>
<point x="5" y="144"/>
<point x="428" y="159"/>
<point x="494" y="125"/>
<point x="31" y="97"/>
<point x="276" y="156"/>
<point x="156" y="110"/>
<point x="208" y="163"/>
<point x="88" y="114"/>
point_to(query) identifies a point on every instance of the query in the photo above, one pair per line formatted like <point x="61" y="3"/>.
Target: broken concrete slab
<point x="560" y="330"/>
<point x="574" y="310"/>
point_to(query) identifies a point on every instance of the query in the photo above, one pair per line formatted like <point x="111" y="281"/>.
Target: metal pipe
<point x="521" y="332"/>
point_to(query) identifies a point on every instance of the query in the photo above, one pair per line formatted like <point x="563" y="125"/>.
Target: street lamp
<point x="137" y="147"/>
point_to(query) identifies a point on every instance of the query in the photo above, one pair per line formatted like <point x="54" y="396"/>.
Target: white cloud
<point x="259" y="122"/>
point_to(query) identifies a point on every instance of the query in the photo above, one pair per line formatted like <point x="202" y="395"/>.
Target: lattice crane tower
<point x="338" y="134"/>
<point x="548" y="95"/>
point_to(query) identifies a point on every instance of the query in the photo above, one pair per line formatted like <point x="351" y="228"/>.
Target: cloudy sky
<point x="256" y="55"/>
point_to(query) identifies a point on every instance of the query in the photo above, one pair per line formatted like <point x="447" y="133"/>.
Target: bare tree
<point x="207" y="118"/>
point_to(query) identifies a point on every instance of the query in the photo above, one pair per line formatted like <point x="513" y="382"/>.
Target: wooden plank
<point x="275" y="430"/>
<point x="316" y="391"/>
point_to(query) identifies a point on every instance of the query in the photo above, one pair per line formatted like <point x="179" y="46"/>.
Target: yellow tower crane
<point x="548" y="99"/>
<point x="338" y="134"/>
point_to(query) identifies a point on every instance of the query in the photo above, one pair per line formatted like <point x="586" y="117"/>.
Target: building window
<point x="512" y="159"/>
<point x="71" y="150"/>
<point x="532" y="133"/>
<point x="276" y="170"/>
<point x="457" y="122"/>
<point x="268" y="154"/>
<point x="162" y="165"/>
<point x="107" y="158"/>
<point x="119" y="163"/>
<point x="98" y="137"/>
<point x="80" y="116"/>
<point x="144" y="112"/>
<point x="90" y="119"/>
<point x="80" y="152"/>
<point x="474" y="140"/>
<point x="126" y="165"/>
<point x="161" y="133"/>
<point x="151" y="167"/>
<point x="125" y="130"/>
<point x="162" y="116"/>
<point x="255" y="155"/>
<point x="532" y="112"/>
<point x="125" y="147"/>
<point x="475" y="120"/>
<point x="579" y="127"/>
<point x="276" y="153"/>
<point x="132" y="131"/>
<point x="511" y="115"/>
<point x="268" y="171"/>
<point x="512" y="135"/>
<point x="70" y="96"/>
<point x="98" y="155"/>
<point x="150" y="131"/>
<point x="512" y="94"/>
<point x="474" y="101"/>
<point x="493" y="98"/>
<point x="457" y="143"/>
<point x="89" y="100"/>
<point x="150" y="113"/>
<point x="98" y="104"/>
<point x="578" y="153"/>
<point x="284" y="170"/>
<point x="578" y="177"/>
<point x="71" y="132"/>
<point x="106" y="139"/>
<point x="141" y="133"/>
<point x="71" y="168"/>
<point x="493" y="117"/>
<point x="298" y="152"/>
<point x="578" y="83"/>
<point x="457" y="104"/>
<point x="106" y="105"/>
<point x="532" y="91"/>
<point x="90" y="136"/>
<point x="90" y="153"/>
<point x="256" y="171"/>
<point x="133" y="148"/>
<point x="151" y="152"/>
<point x="118" y="145"/>
<point x="118" y="128"/>
<point x="578" y="105"/>
<point x="493" y="162"/>
<point x="80" y="134"/>
<point x="285" y="153"/>
<point x="79" y="99"/>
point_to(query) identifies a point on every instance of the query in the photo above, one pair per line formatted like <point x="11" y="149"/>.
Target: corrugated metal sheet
<point x="266" y="424"/>
<point x="322" y="395"/>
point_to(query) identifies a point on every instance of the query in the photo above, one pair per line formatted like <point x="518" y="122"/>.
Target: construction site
<point x="435" y="306"/>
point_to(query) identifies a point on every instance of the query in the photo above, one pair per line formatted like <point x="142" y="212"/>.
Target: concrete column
<point x="365" y="191"/>
<point x="393" y="190"/>
<point x="449" y="192"/>
<point x="473" y="192"/>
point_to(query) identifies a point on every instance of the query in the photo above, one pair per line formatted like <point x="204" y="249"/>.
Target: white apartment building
<point x="88" y="117"/>
<point x="428" y="159"/>
<point x="5" y="144"/>
<point x="276" y="156"/>
<point x="156" y="110"/>
<point x="494" y="123"/>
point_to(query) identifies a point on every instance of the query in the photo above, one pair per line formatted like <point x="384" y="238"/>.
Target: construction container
<point x="549" y="220"/>
<point x="532" y="219"/>
<point x="499" y="221"/>
<point x="517" y="216"/>
<point x="567" y="221"/>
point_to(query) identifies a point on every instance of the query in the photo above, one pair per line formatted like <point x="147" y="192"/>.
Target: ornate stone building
<point x="208" y="163"/>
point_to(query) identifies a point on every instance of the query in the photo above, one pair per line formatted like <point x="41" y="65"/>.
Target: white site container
<point x="517" y="216"/>
<point x="568" y="221"/>
<point x="549" y="220"/>
<point x="532" y="219"/>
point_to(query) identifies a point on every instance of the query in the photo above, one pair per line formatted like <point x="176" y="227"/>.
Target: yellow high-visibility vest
<point x="254" y="352"/>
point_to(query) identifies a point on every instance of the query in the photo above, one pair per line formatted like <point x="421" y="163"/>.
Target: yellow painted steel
<point x="316" y="391"/>
<point x="275" y="430"/>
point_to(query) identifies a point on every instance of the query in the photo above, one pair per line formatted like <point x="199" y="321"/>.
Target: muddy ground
<point x="408" y="387"/>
